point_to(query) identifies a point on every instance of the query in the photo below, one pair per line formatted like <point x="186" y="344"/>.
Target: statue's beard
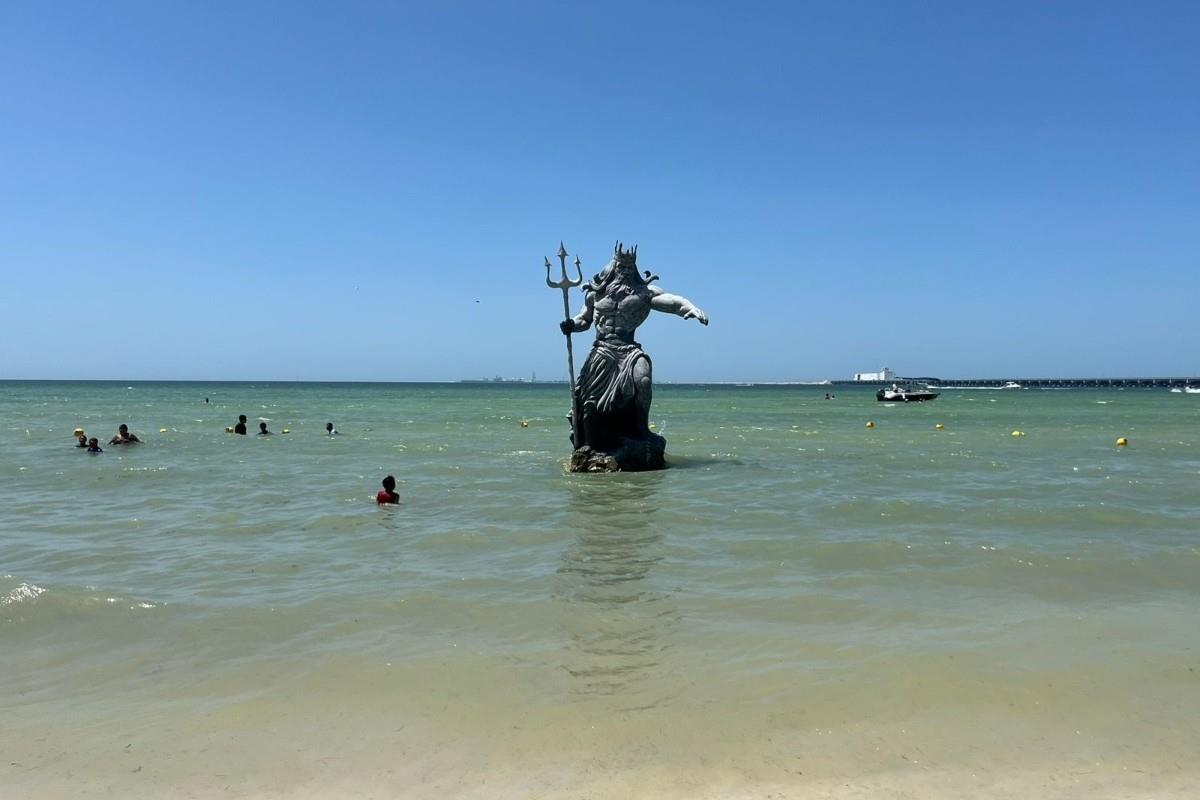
<point x="618" y="276"/>
<point x="628" y="275"/>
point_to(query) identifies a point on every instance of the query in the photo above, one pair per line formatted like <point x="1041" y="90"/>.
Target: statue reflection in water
<point x="619" y="623"/>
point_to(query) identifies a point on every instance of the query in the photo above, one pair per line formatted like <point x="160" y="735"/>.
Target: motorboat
<point x="905" y="394"/>
<point x="1191" y="390"/>
<point x="1012" y="385"/>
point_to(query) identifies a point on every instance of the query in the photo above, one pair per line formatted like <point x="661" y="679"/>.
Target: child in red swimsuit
<point x="387" y="495"/>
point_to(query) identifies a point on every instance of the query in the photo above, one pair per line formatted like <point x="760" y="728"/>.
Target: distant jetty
<point x="1038" y="383"/>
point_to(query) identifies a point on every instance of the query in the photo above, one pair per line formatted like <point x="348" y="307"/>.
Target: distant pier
<point x="1038" y="383"/>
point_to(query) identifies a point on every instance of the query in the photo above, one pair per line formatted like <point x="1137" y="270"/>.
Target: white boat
<point x="1177" y="390"/>
<point x="905" y="394"/>
<point x="1008" y="385"/>
<point x="1191" y="390"/>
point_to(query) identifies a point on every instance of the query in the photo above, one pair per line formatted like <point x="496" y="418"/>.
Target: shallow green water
<point x="797" y="598"/>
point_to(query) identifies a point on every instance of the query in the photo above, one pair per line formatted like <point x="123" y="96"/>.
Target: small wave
<point x="24" y="591"/>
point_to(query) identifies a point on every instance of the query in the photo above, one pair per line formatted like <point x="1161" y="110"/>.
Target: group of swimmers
<point x="386" y="496"/>
<point x="123" y="436"/>
<point x="240" y="428"/>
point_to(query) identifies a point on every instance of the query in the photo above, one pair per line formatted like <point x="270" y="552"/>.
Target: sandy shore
<point x="270" y="755"/>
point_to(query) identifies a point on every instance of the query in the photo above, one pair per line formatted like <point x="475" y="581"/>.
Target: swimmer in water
<point x="329" y="429"/>
<point x="262" y="429"/>
<point x="94" y="445"/>
<point x="240" y="428"/>
<point x="387" y="495"/>
<point x="83" y="442"/>
<point x="124" y="436"/>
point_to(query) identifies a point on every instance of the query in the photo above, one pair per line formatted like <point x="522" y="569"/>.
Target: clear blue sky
<point x="324" y="190"/>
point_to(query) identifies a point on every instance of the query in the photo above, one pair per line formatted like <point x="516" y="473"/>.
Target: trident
<point x="565" y="284"/>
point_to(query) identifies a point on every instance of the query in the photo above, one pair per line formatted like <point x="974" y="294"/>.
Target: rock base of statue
<point x="632" y="455"/>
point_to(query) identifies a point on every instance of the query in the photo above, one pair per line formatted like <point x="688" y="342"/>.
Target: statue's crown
<point x="623" y="256"/>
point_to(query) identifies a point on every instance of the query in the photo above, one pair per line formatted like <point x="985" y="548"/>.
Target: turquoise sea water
<point x="800" y="604"/>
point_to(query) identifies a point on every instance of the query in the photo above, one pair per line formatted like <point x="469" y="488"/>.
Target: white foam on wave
<point x="134" y="607"/>
<point x="24" y="591"/>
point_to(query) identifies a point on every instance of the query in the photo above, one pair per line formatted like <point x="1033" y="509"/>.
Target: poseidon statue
<point x="613" y="394"/>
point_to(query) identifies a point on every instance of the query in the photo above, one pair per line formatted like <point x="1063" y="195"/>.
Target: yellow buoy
<point x="286" y="430"/>
<point x="939" y="426"/>
<point x="1018" y="433"/>
<point x="652" y="426"/>
<point x="524" y="423"/>
<point x="229" y="429"/>
<point x="870" y="424"/>
<point x="79" y="432"/>
<point x="1122" y="442"/>
<point x="162" y="430"/>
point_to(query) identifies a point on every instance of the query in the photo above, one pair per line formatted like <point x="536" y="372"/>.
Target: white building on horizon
<point x="885" y="375"/>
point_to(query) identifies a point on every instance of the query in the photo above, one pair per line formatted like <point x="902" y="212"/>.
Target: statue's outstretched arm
<point x="674" y="304"/>
<point x="582" y="320"/>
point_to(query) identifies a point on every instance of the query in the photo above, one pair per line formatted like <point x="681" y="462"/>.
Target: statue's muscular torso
<point x="620" y="309"/>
